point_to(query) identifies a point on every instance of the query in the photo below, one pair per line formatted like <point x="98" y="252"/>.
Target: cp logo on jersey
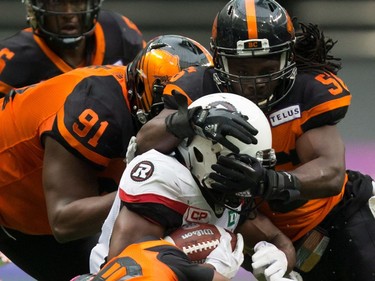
<point x="142" y="171"/>
<point x="197" y="215"/>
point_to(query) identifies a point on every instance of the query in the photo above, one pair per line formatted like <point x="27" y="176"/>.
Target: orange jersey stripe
<point x="170" y="87"/>
<point x="60" y="63"/>
<point x="325" y="107"/>
<point x="133" y="26"/>
<point x="285" y="141"/>
<point x="100" y="45"/>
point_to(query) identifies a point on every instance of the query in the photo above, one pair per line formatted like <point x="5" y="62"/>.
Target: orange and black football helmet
<point x="162" y="58"/>
<point x="248" y="29"/>
<point x="46" y="17"/>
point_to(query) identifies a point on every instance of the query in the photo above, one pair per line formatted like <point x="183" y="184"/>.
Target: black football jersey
<point x="26" y="59"/>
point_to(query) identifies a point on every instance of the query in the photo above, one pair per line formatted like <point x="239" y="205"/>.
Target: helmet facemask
<point x="266" y="89"/>
<point x="63" y="22"/>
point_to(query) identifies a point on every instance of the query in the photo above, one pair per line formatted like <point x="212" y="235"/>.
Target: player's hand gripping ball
<point x="197" y="241"/>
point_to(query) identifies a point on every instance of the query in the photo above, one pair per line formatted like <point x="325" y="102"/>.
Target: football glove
<point x="226" y="261"/>
<point x="211" y="123"/>
<point x="238" y="172"/>
<point x="269" y="261"/>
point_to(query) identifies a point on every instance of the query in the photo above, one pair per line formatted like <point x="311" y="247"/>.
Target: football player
<point x="293" y="79"/>
<point x="64" y="35"/>
<point x="61" y="148"/>
<point x="158" y="193"/>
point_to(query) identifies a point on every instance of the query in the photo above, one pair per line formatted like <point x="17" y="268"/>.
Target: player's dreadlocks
<point x="312" y="50"/>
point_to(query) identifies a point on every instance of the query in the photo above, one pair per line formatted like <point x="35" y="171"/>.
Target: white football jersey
<point x="154" y="177"/>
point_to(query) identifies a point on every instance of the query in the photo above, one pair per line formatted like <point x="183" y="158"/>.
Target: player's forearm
<point x="322" y="154"/>
<point x="319" y="180"/>
<point x="81" y="218"/>
<point x="262" y="229"/>
<point x="153" y="135"/>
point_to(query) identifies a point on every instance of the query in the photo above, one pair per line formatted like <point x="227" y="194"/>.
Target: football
<point x="198" y="240"/>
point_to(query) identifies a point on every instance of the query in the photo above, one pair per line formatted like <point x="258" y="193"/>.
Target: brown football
<point x="198" y="240"/>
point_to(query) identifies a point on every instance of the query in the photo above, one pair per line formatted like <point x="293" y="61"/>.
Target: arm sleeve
<point x="95" y="123"/>
<point x="326" y="99"/>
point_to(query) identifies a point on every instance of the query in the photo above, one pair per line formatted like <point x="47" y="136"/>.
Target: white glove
<point x="131" y="150"/>
<point x="269" y="261"/>
<point x="223" y="259"/>
<point x="295" y="276"/>
<point x="371" y="203"/>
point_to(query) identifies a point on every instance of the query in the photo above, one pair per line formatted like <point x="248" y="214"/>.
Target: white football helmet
<point x="200" y="153"/>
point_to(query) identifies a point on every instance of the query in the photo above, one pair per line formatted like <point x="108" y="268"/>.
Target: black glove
<point x="237" y="173"/>
<point x="211" y="123"/>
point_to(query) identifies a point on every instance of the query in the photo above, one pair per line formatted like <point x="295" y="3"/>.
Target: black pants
<point x="350" y="254"/>
<point x="45" y="259"/>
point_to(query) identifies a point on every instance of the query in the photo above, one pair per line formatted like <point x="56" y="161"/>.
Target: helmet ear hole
<point x="139" y="85"/>
<point x="198" y="155"/>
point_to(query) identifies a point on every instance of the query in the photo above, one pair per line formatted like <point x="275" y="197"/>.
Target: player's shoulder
<point x="322" y="97"/>
<point x="20" y="47"/>
<point x="107" y="16"/>
<point x="316" y="87"/>
<point x="123" y="39"/>
<point x="193" y="82"/>
<point x="21" y="54"/>
<point x="156" y="160"/>
<point x="199" y="72"/>
<point x="101" y="100"/>
<point x="99" y="88"/>
<point x="112" y="18"/>
<point x="323" y="81"/>
<point x="22" y="37"/>
<point x="153" y="166"/>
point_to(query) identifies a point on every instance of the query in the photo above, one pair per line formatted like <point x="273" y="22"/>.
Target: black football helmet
<point x="248" y="29"/>
<point x="162" y="58"/>
<point x="46" y="17"/>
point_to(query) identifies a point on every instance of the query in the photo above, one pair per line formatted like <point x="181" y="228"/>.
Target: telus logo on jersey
<point x="284" y="115"/>
<point x="142" y="171"/>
